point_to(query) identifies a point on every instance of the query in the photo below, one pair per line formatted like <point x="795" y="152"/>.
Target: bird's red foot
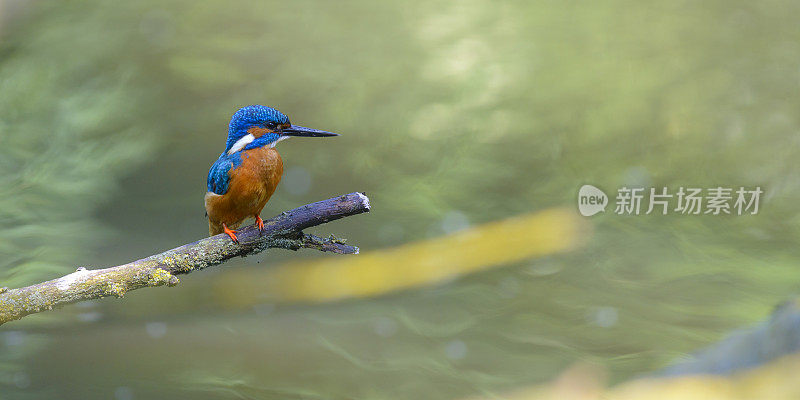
<point x="259" y="223"/>
<point x="230" y="233"/>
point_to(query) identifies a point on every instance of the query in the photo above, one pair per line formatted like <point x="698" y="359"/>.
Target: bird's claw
<point x="260" y="224"/>
<point x="230" y="233"/>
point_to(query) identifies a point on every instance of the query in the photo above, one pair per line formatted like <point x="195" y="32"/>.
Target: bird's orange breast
<point x="251" y="185"/>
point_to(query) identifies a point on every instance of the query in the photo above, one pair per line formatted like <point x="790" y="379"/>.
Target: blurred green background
<point x="453" y="114"/>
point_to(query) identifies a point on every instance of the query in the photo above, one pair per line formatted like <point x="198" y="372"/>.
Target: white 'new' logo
<point x="591" y="200"/>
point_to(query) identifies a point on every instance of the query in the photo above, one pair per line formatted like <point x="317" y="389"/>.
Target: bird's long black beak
<point x="296" y="130"/>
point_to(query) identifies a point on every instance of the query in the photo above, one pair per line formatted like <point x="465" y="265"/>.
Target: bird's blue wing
<point x="218" y="175"/>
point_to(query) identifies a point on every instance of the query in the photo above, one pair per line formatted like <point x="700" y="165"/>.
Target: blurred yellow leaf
<point x="776" y="381"/>
<point x="412" y="265"/>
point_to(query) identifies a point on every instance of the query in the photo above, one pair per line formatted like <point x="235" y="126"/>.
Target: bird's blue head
<point x="255" y="126"/>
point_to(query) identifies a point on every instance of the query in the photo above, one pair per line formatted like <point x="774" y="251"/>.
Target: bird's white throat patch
<point x="279" y="139"/>
<point x="244" y="141"/>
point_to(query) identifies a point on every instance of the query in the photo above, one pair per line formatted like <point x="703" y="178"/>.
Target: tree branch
<point x="283" y="231"/>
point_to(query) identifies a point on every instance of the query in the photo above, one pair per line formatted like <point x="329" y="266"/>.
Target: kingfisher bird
<point x="246" y="174"/>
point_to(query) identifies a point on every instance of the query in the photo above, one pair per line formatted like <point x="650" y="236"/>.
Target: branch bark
<point x="283" y="231"/>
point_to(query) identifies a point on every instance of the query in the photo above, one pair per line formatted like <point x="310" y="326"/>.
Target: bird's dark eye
<point x="271" y="125"/>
